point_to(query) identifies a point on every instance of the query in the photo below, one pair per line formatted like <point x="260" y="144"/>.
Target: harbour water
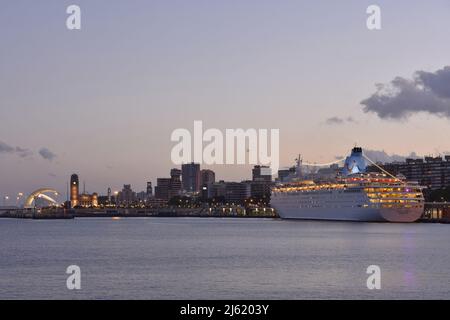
<point x="222" y="258"/>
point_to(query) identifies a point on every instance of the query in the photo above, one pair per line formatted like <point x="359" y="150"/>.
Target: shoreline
<point x="71" y="216"/>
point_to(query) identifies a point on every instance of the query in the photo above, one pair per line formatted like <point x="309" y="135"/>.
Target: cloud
<point x="47" y="154"/>
<point x="426" y="92"/>
<point x="337" y="120"/>
<point x="5" y="148"/>
<point x="438" y="82"/>
<point x="24" y="152"/>
<point x="382" y="156"/>
<point x="21" y="152"/>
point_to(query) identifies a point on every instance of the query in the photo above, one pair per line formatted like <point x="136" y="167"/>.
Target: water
<point x="228" y="258"/>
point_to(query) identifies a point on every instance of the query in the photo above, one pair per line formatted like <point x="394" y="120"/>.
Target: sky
<point x="103" y="101"/>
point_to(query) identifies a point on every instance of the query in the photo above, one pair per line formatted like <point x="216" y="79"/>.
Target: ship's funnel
<point x="355" y="163"/>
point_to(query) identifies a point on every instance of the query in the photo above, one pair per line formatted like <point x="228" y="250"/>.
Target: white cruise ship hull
<point x="340" y="206"/>
<point x="351" y="214"/>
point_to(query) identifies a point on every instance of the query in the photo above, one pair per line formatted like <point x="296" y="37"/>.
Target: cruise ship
<point x="353" y="195"/>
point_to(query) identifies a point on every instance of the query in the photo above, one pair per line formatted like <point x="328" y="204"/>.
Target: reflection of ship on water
<point x="351" y="195"/>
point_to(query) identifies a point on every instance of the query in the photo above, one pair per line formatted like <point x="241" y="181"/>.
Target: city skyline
<point x="103" y="101"/>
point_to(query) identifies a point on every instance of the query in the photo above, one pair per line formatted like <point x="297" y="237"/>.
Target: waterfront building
<point x="260" y="189"/>
<point x="162" y="188"/>
<point x="149" y="189"/>
<point x="74" y="190"/>
<point x="218" y="190"/>
<point x="191" y="177"/>
<point x="261" y="184"/>
<point x="127" y="196"/>
<point x="141" y="196"/>
<point x="236" y="192"/>
<point x="175" y="183"/>
<point x="84" y="200"/>
<point x="155" y="202"/>
<point x="262" y="173"/>
<point x="104" y="201"/>
<point x="167" y="188"/>
<point x="286" y="173"/>
<point x="432" y="172"/>
<point x="208" y="177"/>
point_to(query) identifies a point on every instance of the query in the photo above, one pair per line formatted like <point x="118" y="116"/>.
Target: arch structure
<point x="40" y="193"/>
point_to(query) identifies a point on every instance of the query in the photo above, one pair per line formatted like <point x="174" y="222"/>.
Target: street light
<point x="6" y="198"/>
<point x="19" y="195"/>
<point x="116" y="198"/>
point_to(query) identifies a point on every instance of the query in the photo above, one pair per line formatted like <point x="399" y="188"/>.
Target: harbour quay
<point x="436" y="212"/>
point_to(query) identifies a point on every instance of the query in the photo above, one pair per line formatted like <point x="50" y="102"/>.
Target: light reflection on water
<point x="229" y="258"/>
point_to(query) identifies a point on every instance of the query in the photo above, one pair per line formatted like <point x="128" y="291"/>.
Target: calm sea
<point x="228" y="258"/>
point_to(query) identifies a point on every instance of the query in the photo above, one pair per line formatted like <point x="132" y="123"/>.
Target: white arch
<point x="40" y="193"/>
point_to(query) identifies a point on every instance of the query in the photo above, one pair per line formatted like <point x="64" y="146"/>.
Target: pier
<point x="219" y="211"/>
<point x="436" y="212"/>
<point x="36" y="214"/>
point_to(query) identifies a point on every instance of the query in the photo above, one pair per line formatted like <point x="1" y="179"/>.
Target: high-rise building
<point x="74" y="190"/>
<point x="262" y="173"/>
<point x="261" y="184"/>
<point x="127" y="196"/>
<point x="191" y="177"/>
<point x="208" y="177"/>
<point x="149" y="189"/>
<point x="162" y="188"/>
<point x="167" y="188"/>
<point x="175" y="183"/>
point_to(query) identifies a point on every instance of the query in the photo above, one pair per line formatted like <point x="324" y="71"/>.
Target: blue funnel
<point x="355" y="163"/>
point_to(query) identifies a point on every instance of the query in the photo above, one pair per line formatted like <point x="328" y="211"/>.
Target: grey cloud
<point x="337" y="120"/>
<point x="438" y="82"/>
<point x="5" y="148"/>
<point x="382" y="156"/>
<point x="21" y="152"/>
<point x="426" y="92"/>
<point x="47" y="154"/>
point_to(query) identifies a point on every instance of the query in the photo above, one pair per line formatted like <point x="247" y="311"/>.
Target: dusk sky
<point x="103" y="101"/>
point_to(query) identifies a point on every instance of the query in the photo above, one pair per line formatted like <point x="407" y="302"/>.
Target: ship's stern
<point x="404" y="214"/>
